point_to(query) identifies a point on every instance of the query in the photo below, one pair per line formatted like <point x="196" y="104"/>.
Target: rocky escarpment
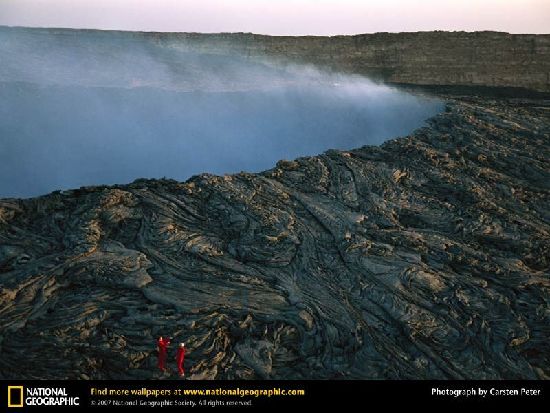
<point x="426" y="257"/>
<point x="423" y="58"/>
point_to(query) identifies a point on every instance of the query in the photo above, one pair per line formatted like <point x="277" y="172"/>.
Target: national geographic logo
<point x="15" y="396"/>
<point x="19" y="396"/>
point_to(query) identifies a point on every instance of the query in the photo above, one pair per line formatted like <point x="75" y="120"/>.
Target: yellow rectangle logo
<point x="10" y="398"/>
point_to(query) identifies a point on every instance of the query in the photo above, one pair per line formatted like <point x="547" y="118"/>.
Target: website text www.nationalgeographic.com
<point x="154" y="397"/>
<point x="237" y="392"/>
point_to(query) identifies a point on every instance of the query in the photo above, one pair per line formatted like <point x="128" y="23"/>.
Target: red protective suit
<point x="162" y="344"/>
<point x="180" y="357"/>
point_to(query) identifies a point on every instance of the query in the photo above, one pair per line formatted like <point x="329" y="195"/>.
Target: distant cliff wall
<point x="422" y="58"/>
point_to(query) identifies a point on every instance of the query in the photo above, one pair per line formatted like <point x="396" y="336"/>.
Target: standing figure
<point x="180" y="357"/>
<point x="162" y="345"/>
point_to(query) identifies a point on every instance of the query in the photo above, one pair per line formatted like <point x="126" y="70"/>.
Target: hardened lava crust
<point x="426" y="257"/>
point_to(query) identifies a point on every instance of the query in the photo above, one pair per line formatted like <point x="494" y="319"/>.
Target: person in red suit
<point x="180" y="357"/>
<point x="162" y="345"/>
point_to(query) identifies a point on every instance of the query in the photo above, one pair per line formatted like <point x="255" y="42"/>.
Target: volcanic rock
<point x="426" y="257"/>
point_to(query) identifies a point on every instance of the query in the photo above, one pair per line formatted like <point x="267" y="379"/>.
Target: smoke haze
<point x="102" y="109"/>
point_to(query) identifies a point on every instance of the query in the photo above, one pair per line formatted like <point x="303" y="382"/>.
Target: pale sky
<point x="282" y="17"/>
